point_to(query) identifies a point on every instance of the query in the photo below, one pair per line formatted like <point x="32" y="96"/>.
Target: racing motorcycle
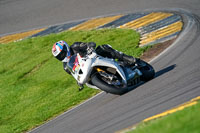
<point x="108" y="74"/>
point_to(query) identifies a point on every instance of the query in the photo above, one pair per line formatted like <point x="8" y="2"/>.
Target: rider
<point x="62" y="51"/>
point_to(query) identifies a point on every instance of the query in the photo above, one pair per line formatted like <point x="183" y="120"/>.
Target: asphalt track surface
<point x="177" y="69"/>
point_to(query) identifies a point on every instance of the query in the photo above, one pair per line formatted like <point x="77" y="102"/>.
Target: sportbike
<point x="108" y="74"/>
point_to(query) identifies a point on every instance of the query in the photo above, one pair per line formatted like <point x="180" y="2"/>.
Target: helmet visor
<point x="62" y="54"/>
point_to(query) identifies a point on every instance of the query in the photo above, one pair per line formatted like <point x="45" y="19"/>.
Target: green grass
<point x="33" y="85"/>
<point x="185" y="121"/>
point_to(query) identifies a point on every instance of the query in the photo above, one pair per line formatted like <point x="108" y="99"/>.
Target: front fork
<point x="81" y="87"/>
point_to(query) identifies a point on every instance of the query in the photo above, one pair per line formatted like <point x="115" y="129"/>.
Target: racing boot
<point x="129" y="60"/>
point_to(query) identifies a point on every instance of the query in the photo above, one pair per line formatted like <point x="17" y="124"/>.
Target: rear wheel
<point x="147" y="70"/>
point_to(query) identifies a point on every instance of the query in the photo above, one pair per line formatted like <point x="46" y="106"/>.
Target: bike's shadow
<point x="157" y="74"/>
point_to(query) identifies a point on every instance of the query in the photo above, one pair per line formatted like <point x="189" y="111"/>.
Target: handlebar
<point x="90" y="50"/>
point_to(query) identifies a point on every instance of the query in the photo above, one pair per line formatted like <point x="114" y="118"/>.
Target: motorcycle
<point x="108" y="74"/>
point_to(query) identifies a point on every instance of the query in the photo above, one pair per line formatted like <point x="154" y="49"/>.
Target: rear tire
<point x="98" y="82"/>
<point x="147" y="70"/>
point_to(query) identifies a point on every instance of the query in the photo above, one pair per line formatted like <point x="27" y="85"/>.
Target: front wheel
<point x="102" y="84"/>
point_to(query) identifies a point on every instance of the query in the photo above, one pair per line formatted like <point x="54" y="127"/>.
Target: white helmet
<point x="61" y="51"/>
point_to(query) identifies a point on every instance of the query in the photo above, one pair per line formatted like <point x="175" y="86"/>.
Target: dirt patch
<point x="156" y="50"/>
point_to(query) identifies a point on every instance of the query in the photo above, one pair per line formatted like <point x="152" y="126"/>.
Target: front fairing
<point x="80" y="68"/>
<point x="71" y="63"/>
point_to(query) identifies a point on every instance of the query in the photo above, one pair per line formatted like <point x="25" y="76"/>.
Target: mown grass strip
<point x="33" y="85"/>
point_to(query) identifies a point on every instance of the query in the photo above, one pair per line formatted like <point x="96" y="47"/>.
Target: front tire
<point x="101" y="84"/>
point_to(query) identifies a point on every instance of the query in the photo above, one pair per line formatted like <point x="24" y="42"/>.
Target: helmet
<point x="61" y="51"/>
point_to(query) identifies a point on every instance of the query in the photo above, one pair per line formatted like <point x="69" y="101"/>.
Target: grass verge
<point x="184" y="121"/>
<point x="33" y="84"/>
